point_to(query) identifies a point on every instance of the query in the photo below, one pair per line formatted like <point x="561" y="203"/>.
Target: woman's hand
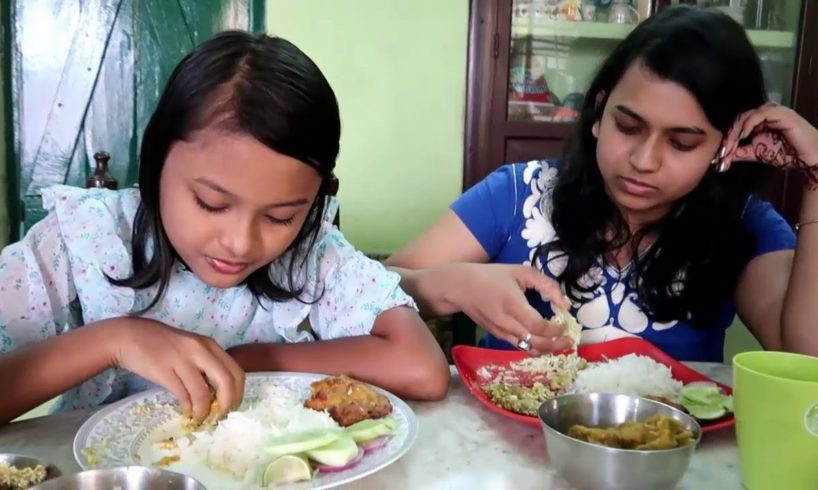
<point x="775" y="135"/>
<point x="493" y="295"/>
<point x="186" y="364"/>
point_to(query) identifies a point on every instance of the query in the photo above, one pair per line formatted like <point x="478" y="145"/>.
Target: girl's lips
<point x="226" y="267"/>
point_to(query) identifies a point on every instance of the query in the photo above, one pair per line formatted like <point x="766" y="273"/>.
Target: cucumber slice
<point x="700" y="393"/>
<point x="301" y="442"/>
<point x="338" y="453"/>
<point x="704" y="412"/>
<point x="369" y="429"/>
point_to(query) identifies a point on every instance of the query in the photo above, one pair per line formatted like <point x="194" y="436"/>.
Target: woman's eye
<point x="627" y="129"/>
<point x="208" y="207"/>
<point x="681" y="146"/>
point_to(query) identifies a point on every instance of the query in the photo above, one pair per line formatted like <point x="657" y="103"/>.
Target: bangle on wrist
<point x="804" y="223"/>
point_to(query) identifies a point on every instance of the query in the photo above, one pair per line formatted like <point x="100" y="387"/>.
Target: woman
<point x="649" y="225"/>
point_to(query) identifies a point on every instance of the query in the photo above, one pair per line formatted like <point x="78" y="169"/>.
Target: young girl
<point x="226" y="244"/>
<point x="649" y="225"/>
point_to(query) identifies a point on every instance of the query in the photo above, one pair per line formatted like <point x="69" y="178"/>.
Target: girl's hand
<point x="493" y="295"/>
<point x="775" y="135"/>
<point x="186" y="364"/>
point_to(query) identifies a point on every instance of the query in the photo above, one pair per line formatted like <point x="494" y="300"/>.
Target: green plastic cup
<point x="775" y="397"/>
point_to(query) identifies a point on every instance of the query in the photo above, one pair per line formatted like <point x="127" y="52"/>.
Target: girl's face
<point x="231" y="205"/>
<point x="654" y="144"/>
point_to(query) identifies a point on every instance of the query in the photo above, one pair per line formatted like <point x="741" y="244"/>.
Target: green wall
<point x="398" y="69"/>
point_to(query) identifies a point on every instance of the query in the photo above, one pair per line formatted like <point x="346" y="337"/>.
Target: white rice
<point x="629" y="375"/>
<point x="235" y="445"/>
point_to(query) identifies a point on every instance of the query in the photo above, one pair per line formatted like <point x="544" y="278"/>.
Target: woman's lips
<point x="637" y="187"/>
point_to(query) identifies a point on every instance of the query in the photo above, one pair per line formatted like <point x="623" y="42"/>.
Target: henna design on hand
<point x="775" y="150"/>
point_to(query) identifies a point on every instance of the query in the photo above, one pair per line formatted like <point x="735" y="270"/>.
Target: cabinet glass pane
<point x="557" y="45"/>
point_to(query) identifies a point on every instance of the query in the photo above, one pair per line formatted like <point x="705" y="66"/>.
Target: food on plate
<point x="276" y="439"/>
<point x="13" y="478"/>
<point x="628" y="375"/>
<point x="290" y="468"/>
<point x="209" y="421"/>
<point x="347" y="401"/>
<point x="522" y="386"/>
<point x="657" y="432"/>
<point x="573" y="330"/>
<point x="327" y="451"/>
<point x="705" y="401"/>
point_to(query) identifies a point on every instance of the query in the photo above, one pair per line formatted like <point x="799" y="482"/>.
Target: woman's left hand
<point x="778" y="136"/>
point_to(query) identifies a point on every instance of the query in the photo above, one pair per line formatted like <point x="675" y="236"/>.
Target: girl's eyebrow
<point x="680" y="129"/>
<point x="284" y="204"/>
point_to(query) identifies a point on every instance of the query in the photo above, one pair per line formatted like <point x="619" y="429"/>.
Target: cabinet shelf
<point x="605" y="30"/>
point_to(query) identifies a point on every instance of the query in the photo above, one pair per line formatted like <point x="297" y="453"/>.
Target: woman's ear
<point x="599" y="103"/>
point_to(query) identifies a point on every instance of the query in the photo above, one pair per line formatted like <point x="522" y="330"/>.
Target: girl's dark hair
<point x="702" y="245"/>
<point x="251" y="84"/>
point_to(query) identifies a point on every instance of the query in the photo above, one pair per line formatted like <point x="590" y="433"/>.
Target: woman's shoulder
<point x="769" y="228"/>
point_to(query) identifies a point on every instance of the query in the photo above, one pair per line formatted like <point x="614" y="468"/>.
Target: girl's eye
<point x="626" y="129"/>
<point x="209" y="208"/>
<point x="279" y="221"/>
<point x="681" y="146"/>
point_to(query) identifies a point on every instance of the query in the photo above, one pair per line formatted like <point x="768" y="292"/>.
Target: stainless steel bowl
<point x="22" y="461"/>
<point x="123" y="478"/>
<point x="596" y="467"/>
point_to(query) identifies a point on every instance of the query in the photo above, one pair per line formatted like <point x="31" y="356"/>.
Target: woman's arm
<point x="446" y="271"/>
<point x="777" y="295"/>
<point x="399" y="355"/>
<point x="422" y="264"/>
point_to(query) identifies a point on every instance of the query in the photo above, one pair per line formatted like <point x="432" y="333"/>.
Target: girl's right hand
<point x="493" y="295"/>
<point x="184" y="363"/>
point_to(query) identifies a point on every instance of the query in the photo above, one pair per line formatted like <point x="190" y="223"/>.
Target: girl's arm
<point x="400" y="355"/>
<point x="39" y="372"/>
<point x="36" y="291"/>
<point x="43" y="352"/>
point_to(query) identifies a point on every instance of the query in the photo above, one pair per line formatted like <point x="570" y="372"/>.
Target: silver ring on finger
<point x="524" y="344"/>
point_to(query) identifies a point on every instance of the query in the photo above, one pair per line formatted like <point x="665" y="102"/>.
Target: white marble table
<point x="461" y="444"/>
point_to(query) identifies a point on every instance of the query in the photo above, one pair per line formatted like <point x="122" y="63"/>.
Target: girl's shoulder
<point x="74" y="206"/>
<point x="94" y="224"/>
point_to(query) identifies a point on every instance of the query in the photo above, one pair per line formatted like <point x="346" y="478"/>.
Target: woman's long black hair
<point x="693" y="266"/>
<point x="257" y="85"/>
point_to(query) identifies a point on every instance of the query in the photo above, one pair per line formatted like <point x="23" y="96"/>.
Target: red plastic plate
<point x="469" y="360"/>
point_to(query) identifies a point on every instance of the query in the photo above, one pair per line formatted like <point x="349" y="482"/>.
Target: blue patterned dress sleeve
<point x="36" y="287"/>
<point x="352" y="289"/>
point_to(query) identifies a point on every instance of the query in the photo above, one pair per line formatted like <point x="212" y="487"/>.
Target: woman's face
<point x="654" y="144"/>
<point x="231" y="205"/>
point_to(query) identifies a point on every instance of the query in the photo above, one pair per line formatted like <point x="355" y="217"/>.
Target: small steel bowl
<point x="592" y="466"/>
<point x="22" y="461"/>
<point x="123" y="478"/>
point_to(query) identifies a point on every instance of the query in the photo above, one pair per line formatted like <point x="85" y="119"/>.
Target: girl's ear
<point x="599" y="103"/>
